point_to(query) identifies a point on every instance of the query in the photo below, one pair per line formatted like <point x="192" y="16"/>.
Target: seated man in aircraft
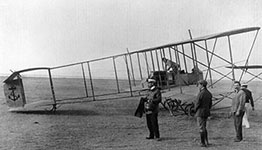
<point x="170" y="65"/>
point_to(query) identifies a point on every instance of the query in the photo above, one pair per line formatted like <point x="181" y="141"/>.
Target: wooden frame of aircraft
<point x="247" y="67"/>
<point x="184" y="53"/>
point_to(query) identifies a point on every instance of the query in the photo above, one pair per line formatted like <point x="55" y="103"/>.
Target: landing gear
<point x="53" y="108"/>
<point x="175" y="105"/>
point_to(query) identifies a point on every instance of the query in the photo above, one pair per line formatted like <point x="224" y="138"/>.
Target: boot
<point x="206" y="138"/>
<point x="202" y="137"/>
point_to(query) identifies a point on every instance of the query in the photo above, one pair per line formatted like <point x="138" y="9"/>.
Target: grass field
<point x="111" y="124"/>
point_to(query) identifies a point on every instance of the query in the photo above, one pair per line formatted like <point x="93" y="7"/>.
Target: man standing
<point x="202" y="108"/>
<point x="151" y="103"/>
<point x="249" y="98"/>
<point x="238" y="110"/>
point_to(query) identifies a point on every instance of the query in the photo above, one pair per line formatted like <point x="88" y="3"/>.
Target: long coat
<point x="153" y="95"/>
<point x="238" y="102"/>
<point x="203" y="103"/>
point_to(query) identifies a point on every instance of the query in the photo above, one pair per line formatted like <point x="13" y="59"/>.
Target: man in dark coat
<point x="202" y="108"/>
<point x="150" y="106"/>
<point x="249" y="102"/>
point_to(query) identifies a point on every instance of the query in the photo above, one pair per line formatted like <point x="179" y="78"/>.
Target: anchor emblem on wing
<point x="12" y="95"/>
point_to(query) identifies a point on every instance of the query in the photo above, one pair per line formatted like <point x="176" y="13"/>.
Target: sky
<point x="49" y="33"/>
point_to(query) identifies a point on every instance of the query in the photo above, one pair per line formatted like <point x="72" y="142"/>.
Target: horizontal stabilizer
<point x="246" y="67"/>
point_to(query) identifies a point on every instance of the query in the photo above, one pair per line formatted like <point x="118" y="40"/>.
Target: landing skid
<point x="53" y="109"/>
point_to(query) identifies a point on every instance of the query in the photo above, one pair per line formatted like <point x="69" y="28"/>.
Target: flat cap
<point x="202" y="82"/>
<point x="244" y="85"/>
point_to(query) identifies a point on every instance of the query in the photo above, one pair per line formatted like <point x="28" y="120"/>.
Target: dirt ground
<point x="111" y="125"/>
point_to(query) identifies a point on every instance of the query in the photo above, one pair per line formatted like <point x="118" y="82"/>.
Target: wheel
<point x="173" y="106"/>
<point x="165" y="105"/>
<point x="190" y="110"/>
<point x="186" y="109"/>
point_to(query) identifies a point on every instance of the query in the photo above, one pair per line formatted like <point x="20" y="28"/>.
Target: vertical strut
<point x="208" y="64"/>
<point x="117" y="84"/>
<point x="84" y="77"/>
<point x="52" y="90"/>
<point x="91" y="81"/>
<point x="231" y="58"/>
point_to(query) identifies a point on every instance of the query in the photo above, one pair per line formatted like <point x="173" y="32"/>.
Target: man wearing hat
<point x="170" y="65"/>
<point x="249" y="98"/>
<point x="202" y="106"/>
<point x="151" y="105"/>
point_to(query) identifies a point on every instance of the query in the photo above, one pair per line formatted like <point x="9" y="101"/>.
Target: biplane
<point x="128" y="71"/>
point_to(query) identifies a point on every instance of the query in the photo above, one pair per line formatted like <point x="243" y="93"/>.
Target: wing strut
<point x="253" y="43"/>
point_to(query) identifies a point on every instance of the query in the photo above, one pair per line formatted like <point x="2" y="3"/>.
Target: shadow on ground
<point x="60" y="112"/>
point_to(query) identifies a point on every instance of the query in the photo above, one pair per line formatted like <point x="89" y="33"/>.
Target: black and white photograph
<point x="130" y="74"/>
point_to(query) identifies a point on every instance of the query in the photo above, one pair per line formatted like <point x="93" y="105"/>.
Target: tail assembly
<point x="14" y="92"/>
